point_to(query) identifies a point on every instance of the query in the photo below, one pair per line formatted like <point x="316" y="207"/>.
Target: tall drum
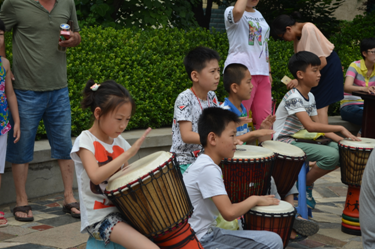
<point x="248" y="172"/>
<point x="152" y="197"/>
<point x="353" y="160"/>
<point x="288" y="163"/>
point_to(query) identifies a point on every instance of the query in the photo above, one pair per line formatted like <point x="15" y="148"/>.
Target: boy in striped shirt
<point x="298" y="111"/>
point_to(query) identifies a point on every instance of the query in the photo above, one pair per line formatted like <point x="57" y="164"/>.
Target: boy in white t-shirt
<point x="297" y="111"/>
<point x="205" y="186"/>
<point x="202" y="67"/>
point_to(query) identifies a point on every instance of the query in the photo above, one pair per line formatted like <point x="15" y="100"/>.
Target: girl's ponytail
<point x="88" y="96"/>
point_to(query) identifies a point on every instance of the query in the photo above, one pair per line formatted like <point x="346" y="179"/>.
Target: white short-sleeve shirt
<point x="188" y="108"/>
<point x="248" y="41"/>
<point x="203" y="180"/>
<point x="287" y="123"/>
<point x="94" y="204"/>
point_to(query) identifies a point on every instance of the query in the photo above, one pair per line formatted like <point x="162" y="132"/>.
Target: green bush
<point x="149" y="64"/>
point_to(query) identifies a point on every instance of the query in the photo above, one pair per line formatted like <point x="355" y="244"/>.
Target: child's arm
<point x="239" y="9"/>
<point x="231" y="211"/>
<point x="262" y="134"/>
<point x="187" y="134"/>
<point x="12" y="100"/>
<point x="312" y="126"/>
<point x="99" y="174"/>
<point x="349" y="88"/>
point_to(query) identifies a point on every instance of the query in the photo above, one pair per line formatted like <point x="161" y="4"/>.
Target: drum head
<point x="365" y="143"/>
<point x="137" y="170"/>
<point x="282" y="208"/>
<point x="251" y="152"/>
<point x="284" y="149"/>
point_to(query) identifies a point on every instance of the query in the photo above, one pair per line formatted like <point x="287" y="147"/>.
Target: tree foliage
<point x="135" y="13"/>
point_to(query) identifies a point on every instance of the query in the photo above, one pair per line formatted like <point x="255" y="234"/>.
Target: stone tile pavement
<point x="54" y="229"/>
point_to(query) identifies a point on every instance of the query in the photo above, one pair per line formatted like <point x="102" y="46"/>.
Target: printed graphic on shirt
<point x="103" y="157"/>
<point x="230" y="19"/>
<point x="255" y="32"/>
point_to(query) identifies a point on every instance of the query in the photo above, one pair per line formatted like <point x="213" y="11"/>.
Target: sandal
<point x="68" y="209"/>
<point x="23" y="209"/>
<point x="305" y="227"/>
<point x="3" y="218"/>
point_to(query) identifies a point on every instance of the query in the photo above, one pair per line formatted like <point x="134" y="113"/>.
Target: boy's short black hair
<point x="197" y="58"/>
<point x="301" y="60"/>
<point x="366" y="44"/>
<point x="214" y="119"/>
<point x="233" y="73"/>
<point x="2" y="25"/>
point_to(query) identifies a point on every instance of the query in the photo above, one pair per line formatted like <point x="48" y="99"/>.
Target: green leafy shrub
<point x="149" y="64"/>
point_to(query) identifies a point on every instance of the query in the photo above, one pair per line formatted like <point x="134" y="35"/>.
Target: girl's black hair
<point x="108" y="97"/>
<point x="2" y="25"/>
<point x="281" y="22"/>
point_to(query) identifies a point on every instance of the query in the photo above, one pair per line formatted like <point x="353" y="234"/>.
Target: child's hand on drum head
<point x="349" y="135"/>
<point x="266" y="200"/>
<point x="262" y="132"/>
<point x="137" y="145"/>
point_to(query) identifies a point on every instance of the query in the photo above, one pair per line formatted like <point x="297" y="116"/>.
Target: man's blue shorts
<point x="54" y="108"/>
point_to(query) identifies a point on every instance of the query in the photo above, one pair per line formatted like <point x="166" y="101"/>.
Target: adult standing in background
<point x="40" y="83"/>
<point x="248" y="34"/>
<point x="307" y="37"/>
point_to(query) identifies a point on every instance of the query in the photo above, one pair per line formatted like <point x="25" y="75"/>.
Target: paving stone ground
<point x="52" y="228"/>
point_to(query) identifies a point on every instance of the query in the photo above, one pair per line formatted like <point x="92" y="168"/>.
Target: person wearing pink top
<point x="248" y="34"/>
<point x="360" y="76"/>
<point x="307" y="37"/>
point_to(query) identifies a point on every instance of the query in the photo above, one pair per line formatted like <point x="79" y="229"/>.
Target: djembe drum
<point x="353" y="160"/>
<point x="152" y="197"/>
<point x="288" y="163"/>
<point x="248" y="172"/>
<point x="274" y="218"/>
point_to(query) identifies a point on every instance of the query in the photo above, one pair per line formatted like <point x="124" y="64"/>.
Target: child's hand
<point x="268" y="122"/>
<point x="135" y="147"/>
<point x="16" y="132"/>
<point x="244" y="120"/>
<point x="371" y="89"/>
<point x="266" y="200"/>
<point x="262" y="132"/>
<point x="292" y="84"/>
<point x="349" y="135"/>
<point x="239" y="142"/>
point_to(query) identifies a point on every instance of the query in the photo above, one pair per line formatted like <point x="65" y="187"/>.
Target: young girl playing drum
<point x="98" y="153"/>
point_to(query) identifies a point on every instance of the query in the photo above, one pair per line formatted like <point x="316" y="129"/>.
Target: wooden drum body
<point x="274" y="218"/>
<point x="289" y="160"/>
<point x="353" y="160"/>
<point x="248" y="172"/>
<point x="152" y="197"/>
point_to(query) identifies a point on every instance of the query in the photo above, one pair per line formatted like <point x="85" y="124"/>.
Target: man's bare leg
<point x="20" y="172"/>
<point x="67" y="174"/>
